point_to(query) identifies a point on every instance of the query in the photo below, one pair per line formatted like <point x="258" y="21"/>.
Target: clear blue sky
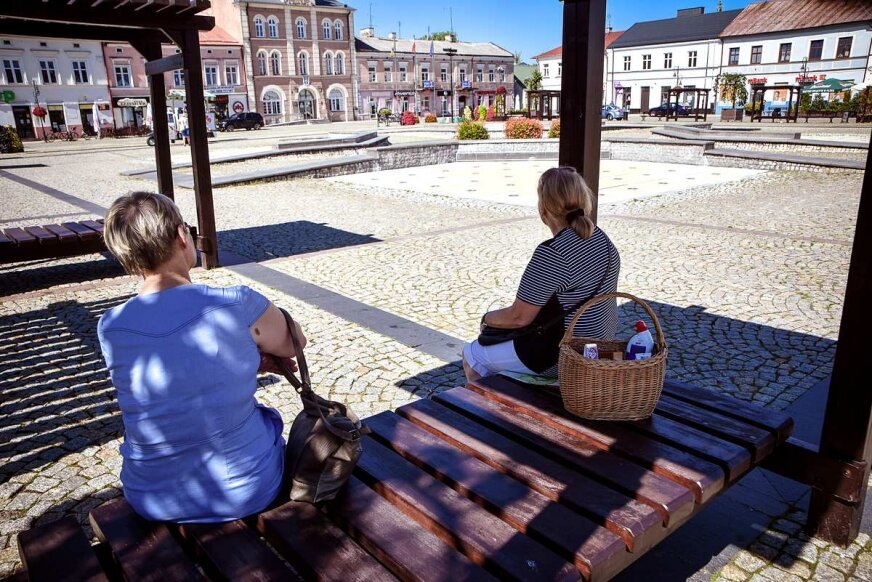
<point x="529" y="26"/>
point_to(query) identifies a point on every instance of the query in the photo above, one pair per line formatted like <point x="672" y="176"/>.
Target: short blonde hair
<point x="141" y="229"/>
<point x="564" y="195"/>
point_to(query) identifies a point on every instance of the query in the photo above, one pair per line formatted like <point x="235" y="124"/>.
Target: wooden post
<point x="157" y="86"/>
<point x="208" y="240"/>
<point x="846" y="431"/>
<point x="581" y="94"/>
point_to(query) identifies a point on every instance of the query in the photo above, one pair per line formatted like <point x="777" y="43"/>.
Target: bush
<point x="10" y="143"/>
<point x="472" y="130"/>
<point x="523" y="128"/>
<point x="408" y="118"/>
<point x="467" y="113"/>
<point x="429" y="117"/>
<point x="490" y="114"/>
<point x="482" y="112"/>
<point x="554" y="131"/>
<point x="384" y="112"/>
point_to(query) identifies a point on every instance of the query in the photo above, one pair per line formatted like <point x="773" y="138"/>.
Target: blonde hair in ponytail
<point x="562" y="191"/>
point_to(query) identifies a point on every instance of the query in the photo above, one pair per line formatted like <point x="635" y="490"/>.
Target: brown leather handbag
<point x="324" y="443"/>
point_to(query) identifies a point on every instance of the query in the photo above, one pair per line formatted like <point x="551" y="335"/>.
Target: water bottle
<point x="641" y="345"/>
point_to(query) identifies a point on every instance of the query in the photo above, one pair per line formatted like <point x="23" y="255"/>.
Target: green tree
<point x="517" y="57"/>
<point x="732" y="87"/>
<point x="440" y="35"/>
<point x="534" y="83"/>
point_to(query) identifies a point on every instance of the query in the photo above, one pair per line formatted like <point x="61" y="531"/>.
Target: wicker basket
<point x="608" y="389"/>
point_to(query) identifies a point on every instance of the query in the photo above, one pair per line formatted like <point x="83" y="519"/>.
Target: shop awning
<point x="829" y="86"/>
<point x="179" y="94"/>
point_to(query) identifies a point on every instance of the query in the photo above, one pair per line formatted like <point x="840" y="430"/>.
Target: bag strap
<point x="304" y="385"/>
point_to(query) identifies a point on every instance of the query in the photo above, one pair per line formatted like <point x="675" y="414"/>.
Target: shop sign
<point x="758" y="81"/>
<point x="811" y="78"/>
<point x="131" y="102"/>
<point x="221" y="99"/>
<point x="428" y="84"/>
<point x="222" y="89"/>
<point x="238" y="107"/>
<point x="466" y="84"/>
<point x="8" y="96"/>
<point x="404" y="93"/>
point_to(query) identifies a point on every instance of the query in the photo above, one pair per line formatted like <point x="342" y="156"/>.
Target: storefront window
<point x="336" y="100"/>
<point x="272" y="104"/>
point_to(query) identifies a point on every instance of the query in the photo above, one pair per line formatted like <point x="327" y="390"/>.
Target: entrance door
<point x="646" y="98"/>
<point x="23" y="122"/>
<point x="307" y="104"/>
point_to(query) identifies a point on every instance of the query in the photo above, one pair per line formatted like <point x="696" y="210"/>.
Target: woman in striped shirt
<point x="579" y="262"/>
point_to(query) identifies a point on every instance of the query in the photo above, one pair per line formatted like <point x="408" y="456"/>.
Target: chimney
<point x="449" y="38"/>
<point x="368" y="32"/>
<point x="392" y="36"/>
<point x="691" y="11"/>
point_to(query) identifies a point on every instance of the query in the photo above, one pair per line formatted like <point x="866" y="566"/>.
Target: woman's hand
<point x="268" y="364"/>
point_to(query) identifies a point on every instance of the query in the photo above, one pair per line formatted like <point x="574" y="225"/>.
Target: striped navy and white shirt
<point x="572" y="268"/>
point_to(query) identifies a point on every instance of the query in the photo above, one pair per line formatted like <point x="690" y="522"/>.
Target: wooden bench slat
<point x="316" y="547"/>
<point x="21" y="237"/>
<point x="84" y="233"/>
<point x="96" y="226"/>
<point x="59" y="552"/>
<point x="44" y="237"/>
<point x="64" y="234"/>
<point x="595" y="551"/>
<point x="459" y="522"/>
<point x="411" y="552"/>
<point x="759" y="441"/>
<point x="232" y="552"/>
<point x="773" y="420"/>
<point x="145" y="551"/>
<point x="701" y="476"/>
<point x="639" y="525"/>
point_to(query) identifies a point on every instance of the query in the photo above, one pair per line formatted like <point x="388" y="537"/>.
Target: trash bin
<point x="845" y="116"/>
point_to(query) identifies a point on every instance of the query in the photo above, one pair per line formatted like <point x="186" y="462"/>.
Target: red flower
<point x="40" y="111"/>
<point x="501" y="90"/>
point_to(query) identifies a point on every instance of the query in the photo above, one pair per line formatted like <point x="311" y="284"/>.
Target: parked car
<point x="247" y="120"/>
<point x="611" y="112"/>
<point x="671" y="107"/>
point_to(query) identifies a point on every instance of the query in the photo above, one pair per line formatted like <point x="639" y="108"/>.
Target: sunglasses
<point x="191" y="229"/>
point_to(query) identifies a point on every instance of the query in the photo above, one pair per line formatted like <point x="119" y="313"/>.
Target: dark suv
<point x="671" y="108"/>
<point x="248" y="120"/>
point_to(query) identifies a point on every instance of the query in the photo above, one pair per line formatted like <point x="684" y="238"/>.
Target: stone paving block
<point x="863" y="569"/>
<point x="824" y="573"/>
<point x="733" y="573"/>
<point x="774" y="574"/>
<point x="839" y="562"/>
<point x="748" y="561"/>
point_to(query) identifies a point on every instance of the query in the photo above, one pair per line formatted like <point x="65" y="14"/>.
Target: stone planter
<point x="732" y="114"/>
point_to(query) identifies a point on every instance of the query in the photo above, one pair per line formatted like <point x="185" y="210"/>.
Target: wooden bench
<point x="51" y="241"/>
<point x="490" y="481"/>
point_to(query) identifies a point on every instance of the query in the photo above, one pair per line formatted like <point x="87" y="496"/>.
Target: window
<point x="691" y="58"/>
<point x="275" y="64"/>
<point x="47" y="72"/>
<point x="122" y="76"/>
<point x="646" y="62"/>
<point x="12" y="69"/>
<point x="734" y="56"/>
<point x="303" y="59"/>
<point x="80" y="72"/>
<point x="389" y="72"/>
<point x="756" y="54"/>
<point x="328" y="63"/>
<point x="272" y="24"/>
<point x="559" y="71"/>
<point x="815" y="50"/>
<point x="210" y="75"/>
<point x="337" y="29"/>
<point x="462" y="74"/>
<point x="404" y="73"/>
<point x="373" y="76"/>
<point x="443" y="72"/>
<point x="336" y="100"/>
<point x="231" y="73"/>
<point x="261" y="63"/>
<point x="784" y="52"/>
<point x="258" y="27"/>
<point x="843" y="49"/>
<point x="272" y="104"/>
<point x="425" y="73"/>
<point x="667" y="60"/>
<point x="425" y="102"/>
<point x="491" y="74"/>
<point x="502" y="72"/>
<point x="301" y="28"/>
<point x="339" y="63"/>
<point x="179" y="77"/>
<point x="479" y="73"/>
<point x="325" y="29"/>
<point x="545" y="72"/>
<point x="626" y="63"/>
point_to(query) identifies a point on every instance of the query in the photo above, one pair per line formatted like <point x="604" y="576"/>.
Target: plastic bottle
<point x="641" y="345"/>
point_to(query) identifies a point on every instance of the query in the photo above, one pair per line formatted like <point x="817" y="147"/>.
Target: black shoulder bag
<point x="324" y="443"/>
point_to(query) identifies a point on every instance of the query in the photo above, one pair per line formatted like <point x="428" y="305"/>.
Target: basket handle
<point x="661" y="339"/>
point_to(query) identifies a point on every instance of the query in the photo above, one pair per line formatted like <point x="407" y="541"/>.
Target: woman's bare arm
<point x="270" y="333"/>
<point x="518" y="314"/>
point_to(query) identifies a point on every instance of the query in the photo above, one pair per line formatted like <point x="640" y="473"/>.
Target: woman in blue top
<point x="198" y="447"/>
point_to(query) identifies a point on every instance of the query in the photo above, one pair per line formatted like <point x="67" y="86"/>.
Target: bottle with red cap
<point x="641" y="345"/>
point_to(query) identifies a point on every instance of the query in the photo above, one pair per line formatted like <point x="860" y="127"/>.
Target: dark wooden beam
<point x="846" y="432"/>
<point x="76" y="31"/>
<point x="106" y="14"/>
<point x="208" y="240"/>
<point x="165" y="64"/>
<point x="160" y="126"/>
<point x="802" y="461"/>
<point x="581" y="96"/>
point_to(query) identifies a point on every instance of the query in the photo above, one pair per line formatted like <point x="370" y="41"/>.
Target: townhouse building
<point x="299" y="56"/>
<point x="65" y="77"/>
<point x="442" y="77"/>
<point x="652" y="57"/>
<point x="788" y="42"/>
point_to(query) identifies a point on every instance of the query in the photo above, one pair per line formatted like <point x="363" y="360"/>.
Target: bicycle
<point x="62" y="135"/>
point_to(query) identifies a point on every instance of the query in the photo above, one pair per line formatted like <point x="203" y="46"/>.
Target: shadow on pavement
<point x="260" y="243"/>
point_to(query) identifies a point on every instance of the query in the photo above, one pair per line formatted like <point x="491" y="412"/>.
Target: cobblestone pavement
<point x="747" y="277"/>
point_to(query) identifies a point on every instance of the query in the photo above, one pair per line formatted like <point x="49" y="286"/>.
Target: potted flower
<point x="39" y="111"/>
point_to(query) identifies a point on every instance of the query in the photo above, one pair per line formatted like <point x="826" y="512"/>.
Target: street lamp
<point x="451" y="52"/>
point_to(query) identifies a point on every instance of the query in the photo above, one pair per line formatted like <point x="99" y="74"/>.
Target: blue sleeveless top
<point x="197" y="445"/>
